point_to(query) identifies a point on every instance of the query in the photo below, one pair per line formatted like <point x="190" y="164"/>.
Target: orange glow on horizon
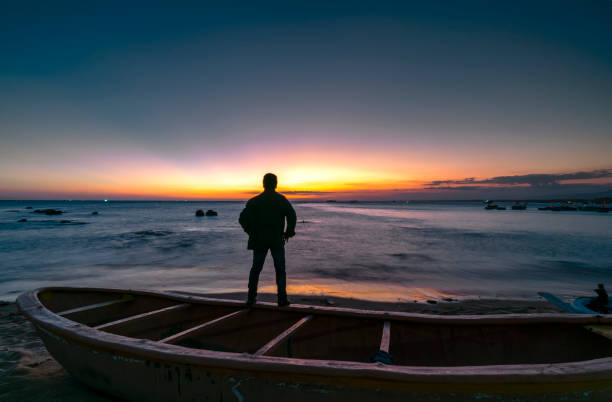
<point x="306" y="173"/>
<point x="160" y="179"/>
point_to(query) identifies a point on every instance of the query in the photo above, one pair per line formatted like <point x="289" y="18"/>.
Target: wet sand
<point x="29" y="373"/>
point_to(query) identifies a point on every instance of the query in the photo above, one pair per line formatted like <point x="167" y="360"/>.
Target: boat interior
<point x="324" y="334"/>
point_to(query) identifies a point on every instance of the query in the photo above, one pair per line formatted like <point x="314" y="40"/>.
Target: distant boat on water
<point x="595" y="208"/>
<point x="571" y="206"/>
<point x="564" y="206"/>
<point x="491" y="205"/>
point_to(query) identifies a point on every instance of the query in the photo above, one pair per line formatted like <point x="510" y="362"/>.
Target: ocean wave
<point x="38" y="224"/>
<point x="152" y="233"/>
<point x="365" y="273"/>
<point x="416" y="257"/>
<point x="445" y="246"/>
<point x="9" y="360"/>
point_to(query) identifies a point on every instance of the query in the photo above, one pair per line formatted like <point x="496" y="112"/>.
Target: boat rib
<point x="206" y="325"/>
<point x="137" y="317"/>
<point x="95" y="306"/>
<point x="268" y="347"/>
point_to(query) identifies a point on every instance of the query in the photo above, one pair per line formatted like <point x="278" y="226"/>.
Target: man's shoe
<point x="284" y="303"/>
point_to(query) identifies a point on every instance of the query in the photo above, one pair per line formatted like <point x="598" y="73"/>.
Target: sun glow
<point x="332" y="178"/>
<point x="142" y="177"/>
<point x="310" y="173"/>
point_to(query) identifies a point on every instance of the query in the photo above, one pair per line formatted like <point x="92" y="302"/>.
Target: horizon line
<point x="325" y="201"/>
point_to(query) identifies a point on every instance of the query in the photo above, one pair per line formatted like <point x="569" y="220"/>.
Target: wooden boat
<point x="152" y="346"/>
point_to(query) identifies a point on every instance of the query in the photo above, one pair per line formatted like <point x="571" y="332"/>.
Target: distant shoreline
<point x="318" y="201"/>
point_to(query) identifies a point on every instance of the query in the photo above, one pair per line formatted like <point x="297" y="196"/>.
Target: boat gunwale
<point x="541" y="373"/>
<point x="463" y="319"/>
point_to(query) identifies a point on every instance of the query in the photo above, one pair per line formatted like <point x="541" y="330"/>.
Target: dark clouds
<point x="533" y="179"/>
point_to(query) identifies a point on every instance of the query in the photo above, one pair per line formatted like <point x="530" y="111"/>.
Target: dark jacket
<point x="263" y="219"/>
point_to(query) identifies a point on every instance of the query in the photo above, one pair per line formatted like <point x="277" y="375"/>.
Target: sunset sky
<point x="421" y="100"/>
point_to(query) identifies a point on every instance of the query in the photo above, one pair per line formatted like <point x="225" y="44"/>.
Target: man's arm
<point x="291" y="220"/>
<point x="245" y="219"/>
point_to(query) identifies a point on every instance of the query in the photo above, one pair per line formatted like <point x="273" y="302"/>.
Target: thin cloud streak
<point x="307" y="192"/>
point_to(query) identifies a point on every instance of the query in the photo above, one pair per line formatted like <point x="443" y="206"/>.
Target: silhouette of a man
<point x="263" y="219"/>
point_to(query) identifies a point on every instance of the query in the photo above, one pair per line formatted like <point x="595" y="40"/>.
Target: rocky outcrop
<point x="210" y="212"/>
<point x="199" y="212"/>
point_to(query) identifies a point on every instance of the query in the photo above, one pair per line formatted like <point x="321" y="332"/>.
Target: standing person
<point x="263" y="219"/>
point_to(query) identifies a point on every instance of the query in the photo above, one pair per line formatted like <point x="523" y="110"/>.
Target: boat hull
<point x="143" y="370"/>
<point x="141" y="379"/>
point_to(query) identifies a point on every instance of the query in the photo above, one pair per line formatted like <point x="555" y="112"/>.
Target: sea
<point x="388" y="251"/>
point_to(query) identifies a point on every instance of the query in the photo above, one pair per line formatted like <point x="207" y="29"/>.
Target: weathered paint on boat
<point x="150" y="370"/>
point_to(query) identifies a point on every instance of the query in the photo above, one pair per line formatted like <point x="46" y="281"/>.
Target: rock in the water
<point x="199" y="212"/>
<point x="49" y="211"/>
<point x="22" y="220"/>
<point x="210" y="212"/>
<point x="94" y="213"/>
<point x="28" y="207"/>
<point x="65" y="221"/>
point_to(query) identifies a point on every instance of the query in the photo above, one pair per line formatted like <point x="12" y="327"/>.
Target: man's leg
<point x="278" y="254"/>
<point x="259" y="257"/>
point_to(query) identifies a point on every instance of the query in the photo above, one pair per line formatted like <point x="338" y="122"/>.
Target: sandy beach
<point x="29" y="373"/>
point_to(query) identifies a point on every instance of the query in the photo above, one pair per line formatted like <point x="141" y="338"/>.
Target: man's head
<point x="270" y="181"/>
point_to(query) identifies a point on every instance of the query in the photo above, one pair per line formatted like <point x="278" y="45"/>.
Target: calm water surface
<point x="379" y="251"/>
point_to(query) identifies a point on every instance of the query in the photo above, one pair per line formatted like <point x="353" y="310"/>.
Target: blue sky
<point x="398" y="93"/>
